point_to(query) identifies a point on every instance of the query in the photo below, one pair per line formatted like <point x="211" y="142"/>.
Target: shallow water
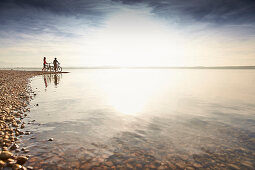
<point x="135" y="118"/>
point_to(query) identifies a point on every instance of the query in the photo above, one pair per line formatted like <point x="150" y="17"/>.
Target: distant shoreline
<point x="113" y="67"/>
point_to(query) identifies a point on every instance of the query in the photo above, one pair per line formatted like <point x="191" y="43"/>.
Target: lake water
<point x="142" y="118"/>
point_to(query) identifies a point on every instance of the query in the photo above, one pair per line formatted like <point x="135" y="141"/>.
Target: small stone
<point x="233" y="166"/>
<point x="27" y="133"/>
<point x="51" y="139"/>
<point x="152" y="166"/>
<point x="21" y="160"/>
<point x="139" y="166"/>
<point x="14" y="146"/>
<point x="26" y="151"/>
<point x="197" y="165"/>
<point x="171" y="165"/>
<point x="15" y="125"/>
<point x="161" y="167"/>
<point x="5" y="148"/>
<point x="109" y="163"/>
<point x="16" y="167"/>
<point x="30" y="168"/>
<point x="130" y="166"/>
<point x="37" y="104"/>
<point x="17" y="133"/>
<point x="22" y="126"/>
<point x="2" y="164"/>
<point x="10" y="160"/>
<point x="180" y="165"/>
<point x="247" y="164"/>
<point x="5" y="155"/>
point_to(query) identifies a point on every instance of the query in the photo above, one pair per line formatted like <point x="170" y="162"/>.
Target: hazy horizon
<point x="144" y="67"/>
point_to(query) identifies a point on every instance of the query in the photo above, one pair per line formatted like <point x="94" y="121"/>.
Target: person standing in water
<point x="55" y="63"/>
<point x="44" y="63"/>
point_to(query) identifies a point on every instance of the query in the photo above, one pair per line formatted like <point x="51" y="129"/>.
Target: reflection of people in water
<point x="55" y="79"/>
<point x="48" y="78"/>
<point x="45" y="81"/>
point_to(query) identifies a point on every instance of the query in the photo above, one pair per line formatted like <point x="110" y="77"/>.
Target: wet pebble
<point x="197" y="165"/>
<point x="109" y="163"/>
<point x="22" y="126"/>
<point x="16" y="167"/>
<point x="5" y="148"/>
<point x="14" y="146"/>
<point x="4" y="155"/>
<point x="21" y="160"/>
<point x="30" y="168"/>
<point x="130" y="166"/>
<point x="27" y="133"/>
<point x="2" y="164"/>
<point x="247" y="164"/>
<point x="17" y="150"/>
<point x="51" y="139"/>
<point x="26" y="151"/>
<point x="232" y="166"/>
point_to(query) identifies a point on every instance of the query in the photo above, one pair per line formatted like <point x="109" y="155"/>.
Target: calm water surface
<point x="128" y="118"/>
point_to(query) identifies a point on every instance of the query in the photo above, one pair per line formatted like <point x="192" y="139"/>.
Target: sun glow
<point x="132" y="37"/>
<point x="130" y="94"/>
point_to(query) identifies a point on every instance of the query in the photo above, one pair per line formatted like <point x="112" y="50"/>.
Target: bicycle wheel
<point x="51" y="68"/>
<point x="46" y="68"/>
<point x="59" y="69"/>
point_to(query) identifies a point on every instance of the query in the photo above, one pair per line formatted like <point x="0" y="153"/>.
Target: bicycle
<point x="59" y="69"/>
<point x="48" y="67"/>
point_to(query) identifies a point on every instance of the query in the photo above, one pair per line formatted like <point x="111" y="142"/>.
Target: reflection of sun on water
<point x="127" y="102"/>
<point x="130" y="93"/>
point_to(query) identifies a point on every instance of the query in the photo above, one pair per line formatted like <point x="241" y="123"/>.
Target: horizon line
<point x="143" y="67"/>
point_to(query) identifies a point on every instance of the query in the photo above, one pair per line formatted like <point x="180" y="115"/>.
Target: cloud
<point x="66" y="17"/>
<point x="65" y="7"/>
<point x="212" y="11"/>
<point x="52" y="17"/>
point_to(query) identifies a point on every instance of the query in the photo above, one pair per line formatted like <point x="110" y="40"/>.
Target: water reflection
<point x="138" y="119"/>
<point x="48" y="78"/>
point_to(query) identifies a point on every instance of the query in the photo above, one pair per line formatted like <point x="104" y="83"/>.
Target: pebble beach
<point x="15" y="95"/>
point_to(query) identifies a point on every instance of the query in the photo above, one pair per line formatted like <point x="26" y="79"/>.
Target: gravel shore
<point x="15" y="95"/>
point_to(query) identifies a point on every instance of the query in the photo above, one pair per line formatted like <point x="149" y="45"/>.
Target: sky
<point x="81" y="33"/>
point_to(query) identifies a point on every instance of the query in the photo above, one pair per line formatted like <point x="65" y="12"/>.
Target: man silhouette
<point x="55" y="63"/>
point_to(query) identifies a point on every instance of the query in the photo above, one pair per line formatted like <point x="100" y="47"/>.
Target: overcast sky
<point x="127" y="32"/>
